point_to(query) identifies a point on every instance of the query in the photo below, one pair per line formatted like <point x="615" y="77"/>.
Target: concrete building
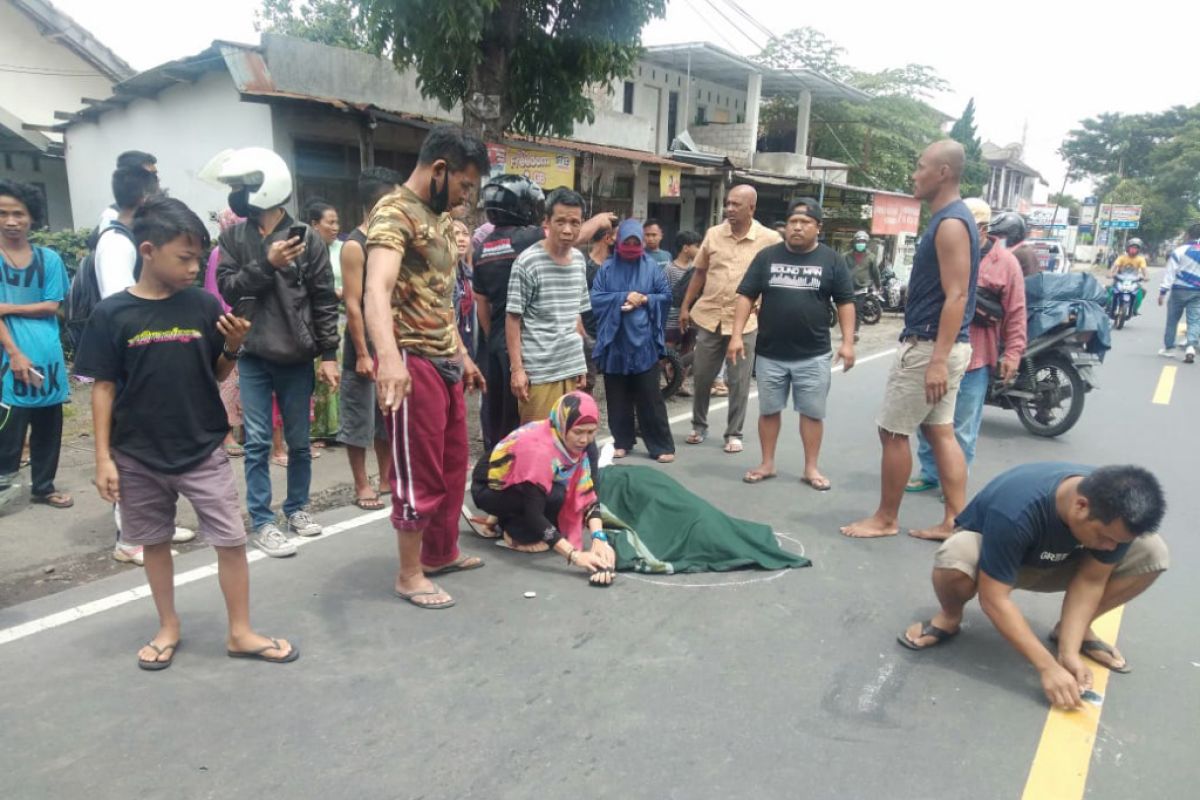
<point x="50" y="65"/>
<point x="1011" y="182"/>
<point x="665" y="142"/>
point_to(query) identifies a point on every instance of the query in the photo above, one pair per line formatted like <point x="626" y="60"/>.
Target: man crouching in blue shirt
<point x="1052" y="527"/>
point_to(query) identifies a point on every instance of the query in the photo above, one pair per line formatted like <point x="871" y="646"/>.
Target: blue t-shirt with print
<point x="45" y="279"/>
<point x="1018" y="517"/>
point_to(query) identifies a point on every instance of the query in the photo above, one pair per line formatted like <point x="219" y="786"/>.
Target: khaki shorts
<point x="542" y="397"/>
<point x="1147" y="554"/>
<point x="904" y="406"/>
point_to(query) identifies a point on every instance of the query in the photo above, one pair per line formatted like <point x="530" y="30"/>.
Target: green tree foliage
<point x="331" y="22"/>
<point x="1068" y="202"/>
<point x="880" y="139"/>
<point x="1152" y="160"/>
<point x="522" y="65"/>
<point x="975" y="175"/>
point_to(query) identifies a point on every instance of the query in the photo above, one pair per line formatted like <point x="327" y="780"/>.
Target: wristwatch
<point x="232" y="355"/>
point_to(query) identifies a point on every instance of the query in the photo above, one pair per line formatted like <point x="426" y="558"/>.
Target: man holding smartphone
<point x="277" y="273"/>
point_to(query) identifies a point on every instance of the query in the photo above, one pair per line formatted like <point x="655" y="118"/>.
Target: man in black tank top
<point x="361" y="423"/>
<point x="934" y="349"/>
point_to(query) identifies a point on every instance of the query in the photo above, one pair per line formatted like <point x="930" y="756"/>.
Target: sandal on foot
<point x="54" y="500"/>
<point x="697" y="437"/>
<point x="927" y="629"/>
<point x="484" y="527"/>
<point x="819" y="484"/>
<point x="461" y="564"/>
<point x="920" y="485"/>
<point x="733" y="445"/>
<point x="411" y="597"/>
<point x="619" y="453"/>
<point x="757" y="477"/>
<point x="665" y="458"/>
<point x="260" y="654"/>
<point x="370" y="503"/>
<point x="1090" y="646"/>
<point x="155" y="665"/>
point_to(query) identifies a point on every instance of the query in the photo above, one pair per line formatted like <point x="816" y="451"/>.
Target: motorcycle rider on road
<point x="864" y="269"/>
<point x="1131" y="260"/>
<point x="1010" y="226"/>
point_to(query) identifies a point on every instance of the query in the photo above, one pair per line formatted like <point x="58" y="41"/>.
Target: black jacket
<point x="295" y="315"/>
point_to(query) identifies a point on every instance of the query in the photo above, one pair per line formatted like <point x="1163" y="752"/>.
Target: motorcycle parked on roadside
<point x="889" y="297"/>
<point x="1056" y="374"/>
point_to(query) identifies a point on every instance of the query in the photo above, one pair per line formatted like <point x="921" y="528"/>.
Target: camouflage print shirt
<point x="423" y="298"/>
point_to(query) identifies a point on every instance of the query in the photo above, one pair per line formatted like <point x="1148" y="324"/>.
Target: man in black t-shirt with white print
<point x="793" y="283"/>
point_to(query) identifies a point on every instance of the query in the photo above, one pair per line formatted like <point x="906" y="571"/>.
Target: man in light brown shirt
<point x="711" y="298"/>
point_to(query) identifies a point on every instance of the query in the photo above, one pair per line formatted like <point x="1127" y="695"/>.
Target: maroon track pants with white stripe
<point x="428" y="434"/>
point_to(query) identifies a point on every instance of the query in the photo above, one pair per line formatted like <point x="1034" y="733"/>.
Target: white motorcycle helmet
<point x="258" y="177"/>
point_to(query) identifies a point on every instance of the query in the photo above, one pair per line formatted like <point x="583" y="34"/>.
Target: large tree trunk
<point x="486" y="112"/>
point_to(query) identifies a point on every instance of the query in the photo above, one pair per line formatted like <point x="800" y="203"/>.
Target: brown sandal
<point x="54" y="500"/>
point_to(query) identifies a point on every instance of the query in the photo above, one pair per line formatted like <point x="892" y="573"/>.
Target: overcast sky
<point x="1048" y="63"/>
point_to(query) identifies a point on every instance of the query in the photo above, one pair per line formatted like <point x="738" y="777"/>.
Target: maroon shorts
<point x="149" y="497"/>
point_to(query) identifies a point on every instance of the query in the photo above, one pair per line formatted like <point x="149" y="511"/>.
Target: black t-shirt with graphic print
<point x="796" y="288"/>
<point x="161" y="354"/>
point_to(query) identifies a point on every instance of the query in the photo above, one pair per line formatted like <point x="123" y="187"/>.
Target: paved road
<point x="766" y="686"/>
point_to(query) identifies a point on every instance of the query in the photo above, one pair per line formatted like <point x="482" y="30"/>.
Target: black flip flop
<point x="1090" y="646"/>
<point x="259" y="654"/>
<point x="928" y="629"/>
<point x="156" y="665"/>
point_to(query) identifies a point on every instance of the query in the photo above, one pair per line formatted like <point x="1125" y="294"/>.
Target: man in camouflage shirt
<point x="422" y="363"/>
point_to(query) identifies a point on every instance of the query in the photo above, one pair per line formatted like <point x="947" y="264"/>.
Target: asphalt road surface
<point x="744" y="685"/>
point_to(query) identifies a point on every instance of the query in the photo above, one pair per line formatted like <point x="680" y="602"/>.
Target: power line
<point x="771" y="37"/>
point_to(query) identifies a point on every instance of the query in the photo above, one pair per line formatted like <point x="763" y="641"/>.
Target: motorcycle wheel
<point x="671" y="370"/>
<point x="872" y="312"/>
<point x="1059" y="394"/>
<point x="1122" y="315"/>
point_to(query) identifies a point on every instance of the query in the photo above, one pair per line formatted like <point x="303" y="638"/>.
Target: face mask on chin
<point x="439" y="199"/>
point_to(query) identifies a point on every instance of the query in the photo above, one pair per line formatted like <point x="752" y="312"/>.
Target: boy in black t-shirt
<point x="157" y="352"/>
<point x="1051" y="527"/>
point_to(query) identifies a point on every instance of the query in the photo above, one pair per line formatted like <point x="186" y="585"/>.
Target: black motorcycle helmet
<point x="1010" y="226"/>
<point x="513" y="200"/>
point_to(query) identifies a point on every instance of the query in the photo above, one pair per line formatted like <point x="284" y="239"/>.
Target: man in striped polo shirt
<point x="547" y="292"/>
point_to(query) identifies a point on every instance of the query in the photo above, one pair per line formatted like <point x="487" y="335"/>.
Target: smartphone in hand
<point x="296" y="232"/>
<point x="244" y="307"/>
<point x="36" y="379"/>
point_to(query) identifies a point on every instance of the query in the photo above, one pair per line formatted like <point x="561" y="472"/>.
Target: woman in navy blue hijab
<point x="631" y="299"/>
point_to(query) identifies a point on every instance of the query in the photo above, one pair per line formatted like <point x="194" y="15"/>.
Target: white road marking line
<point x="118" y="599"/>
<point x="85" y="610"/>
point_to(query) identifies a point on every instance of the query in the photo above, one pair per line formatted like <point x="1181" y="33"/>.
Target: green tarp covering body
<point x="658" y="526"/>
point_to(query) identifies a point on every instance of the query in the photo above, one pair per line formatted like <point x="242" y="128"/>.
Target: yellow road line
<point x="1060" y="766"/>
<point x="1166" y="385"/>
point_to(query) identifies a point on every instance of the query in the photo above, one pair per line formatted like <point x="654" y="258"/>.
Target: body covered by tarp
<point x="658" y="526"/>
<point x="1051" y="300"/>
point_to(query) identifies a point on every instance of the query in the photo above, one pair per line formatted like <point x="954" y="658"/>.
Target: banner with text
<point x="547" y="168"/>
<point x="892" y="215"/>
<point x="1120" y="217"/>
